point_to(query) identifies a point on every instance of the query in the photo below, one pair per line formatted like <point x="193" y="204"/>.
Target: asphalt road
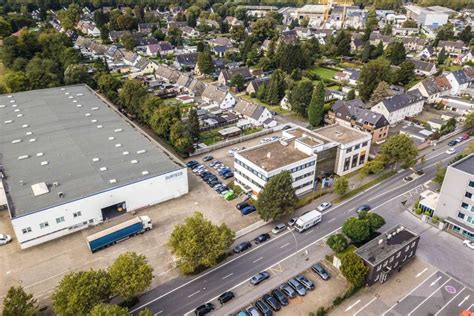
<point x="182" y="295"/>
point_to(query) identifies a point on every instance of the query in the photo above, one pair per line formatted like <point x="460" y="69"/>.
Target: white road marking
<point x="421" y="273"/>
<point x="309" y="232"/>
<point x="158" y="313"/>
<point x="350" y="307"/>
<point x="413" y="290"/>
<point x="435" y="281"/>
<point x="197" y="292"/>
<point x="256" y="260"/>
<point x="331" y="220"/>
<point x="463" y="300"/>
<point x="225" y="277"/>
<point x="283" y="246"/>
<point x="424" y="301"/>
<point x="370" y="302"/>
<point x="437" y="313"/>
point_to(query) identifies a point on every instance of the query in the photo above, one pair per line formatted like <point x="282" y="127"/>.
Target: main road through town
<point x="183" y="294"/>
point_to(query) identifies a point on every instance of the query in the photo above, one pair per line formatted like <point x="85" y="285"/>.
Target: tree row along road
<point x="183" y="294"/>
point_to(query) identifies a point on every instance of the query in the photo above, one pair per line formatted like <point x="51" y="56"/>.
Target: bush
<point x="321" y="311"/>
<point x="427" y="213"/>
<point x="418" y="211"/>
<point x="337" y="242"/>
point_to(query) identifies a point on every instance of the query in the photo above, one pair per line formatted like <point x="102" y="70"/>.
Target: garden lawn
<point x="324" y="73"/>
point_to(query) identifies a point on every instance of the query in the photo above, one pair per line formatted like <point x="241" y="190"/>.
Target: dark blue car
<point x="247" y="210"/>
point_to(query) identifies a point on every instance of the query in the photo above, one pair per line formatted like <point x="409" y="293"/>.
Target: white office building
<point x="308" y="155"/>
<point x="69" y="161"/>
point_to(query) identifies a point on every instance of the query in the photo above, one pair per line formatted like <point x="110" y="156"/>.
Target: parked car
<point x="225" y="297"/>
<point x="5" y="239"/>
<point x="272" y="302"/>
<point x="252" y="311"/>
<point x="229" y="195"/>
<point x="278" y="228"/>
<point x="324" y="206"/>
<point x="450" y="151"/>
<point x="191" y="164"/>
<point x="247" y="210"/>
<point x="452" y="143"/>
<point x="319" y="270"/>
<point x="459" y="139"/>
<point x="292" y="221"/>
<point x="242" y="205"/>
<point x="288" y="290"/>
<point x="307" y="283"/>
<point x="363" y="208"/>
<point x="213" y="163"/>
<point x="465" y="137"/>
<point x="242" y="246"/>
<point x="297" y="286"/>
<point x="468" y="243"/>
<point x="286" y="127"/>
<point x="259" y="278"/>
<point x="282" y="299"/>
<point x="204" y="309"/>
<point x="207" y="158"/>
<point x="227" y="175"/>
<point x="262" y="238"/>
<point x="263" y="308"/>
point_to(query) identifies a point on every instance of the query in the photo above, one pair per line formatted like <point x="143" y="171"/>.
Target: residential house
<point x="162" y="48"/>
<point x="465" y="57"/>
<point x="349" y="75"/>
<point x="428" y="53"/>
<point x="397" y="107"/>
<point x="167" y="73"/>
<point x="424" y="68"/>
<point x="89" y="28"/>
<point x="375" y="38"/>
<point x="221" y="41"/>
<point x="458" y="105"/>
<point x="413" y="44"/>
<point x="218" y="96"/>
<point x="303" y="32"/>
<point x="233" y="21"/>
<point x="252" y="87"/>
<point x="459" y="81"/>
<point x="289" y="37"/>
<point x="114" y="36"/>
<point x="352" y="113"/>
<point x="190" y="85"/>
<point x="331" y="95"/>
<point x="357" y="44"/>
<point x="147" y="28"/>
<point x="186" y="61"/>
<point x="227" y="74"/>
<point x="453" y="48"/>
<point x="189" y="32"/>
<point x="253" y="112"/>
<point x="433" y="88"/>
<point x="405" y="31"/>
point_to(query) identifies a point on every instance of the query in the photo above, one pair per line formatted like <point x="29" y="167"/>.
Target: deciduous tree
<point x="198" y="243"/>
<point x="204" y="62"/>
<point x="338" y="242"/>
<point x="356" y="229"/>
<point x="400" y="148"/>
<point x="276" y="87"/>
<point x="406" y="73"/>
<point x="316" y="106"/>
<point x="395" y="52"/>
<point x="370" y="76"/>
<point x="132" y="95"/>
<point x="440" y="173"/>
<point x="75" y="74"/>
<point x="300" y="96"/>
<point x="18" y="302"/>
<point x="354" y="269"/>
<point x="193" y="124"/>
<point x="341" y="185"/>
<point x="108" y="310"/>
<point x="278" y="198"/>
<point x="380" y="93"/>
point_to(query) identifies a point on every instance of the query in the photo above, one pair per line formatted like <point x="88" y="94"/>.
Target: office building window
<point x="59" y="219"/>
<point x="471" y="184"/>
<point x="379" y="267"/>
<point x="396" y="264"/>
<point x="354" y="161"/>
<point x="411" y="254"/>
<point x="26" y="230"/>
<point x="356" y="146"/>
<point x="468" y="195"/>
<point x="362" y="158"/>
<point x="347" y="161"/>
<point x="76" y="214"/>
<point x="348" y="150"/>
<point x="364" y="144"/>
<point x="413" y="244"/>
<point x="470" y="220"/>
<point x="464" y="205"/>
<point x="44" y="225"/>
<point x="461" y="215"/>
<point x="377" y="278"/>
<point x="391" y="259"/>
<point x="398" y="255"/>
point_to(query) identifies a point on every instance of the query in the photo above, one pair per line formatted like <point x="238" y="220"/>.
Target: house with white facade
<point x="218" y="96"/>
<point x="308" y="155"/>
<point x="433" y="88"/>
<point x="458" y="81"/>
<point x="71" y="162"/>
<point x="256" y="114"/>
<point x="397" y="107"/>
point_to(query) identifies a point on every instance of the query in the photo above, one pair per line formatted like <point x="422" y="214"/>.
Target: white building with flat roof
<point x="430" y="16"/>
<point x="308" y="155"/>
<point x="70" y="161"/>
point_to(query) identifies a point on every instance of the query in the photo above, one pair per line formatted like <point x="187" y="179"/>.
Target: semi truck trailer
<point x="117" y="233"/>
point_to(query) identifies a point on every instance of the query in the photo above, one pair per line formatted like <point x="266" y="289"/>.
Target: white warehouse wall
<point x="136" y="195"/>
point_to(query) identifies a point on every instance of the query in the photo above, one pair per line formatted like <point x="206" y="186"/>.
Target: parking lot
<point x="418" y="290"/>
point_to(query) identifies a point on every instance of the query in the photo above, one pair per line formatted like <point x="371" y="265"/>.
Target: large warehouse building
<point x="69" y="160"/>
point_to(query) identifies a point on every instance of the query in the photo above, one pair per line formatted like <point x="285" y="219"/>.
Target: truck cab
<point x="146" y="221"/>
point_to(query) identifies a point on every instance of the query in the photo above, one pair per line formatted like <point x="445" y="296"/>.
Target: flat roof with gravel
<point x="273" y="155"/>
<point x="341" y="134"/>
<point x="62" y="144"/>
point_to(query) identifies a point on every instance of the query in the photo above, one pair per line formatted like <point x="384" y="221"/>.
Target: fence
<point x="232" y="141"/>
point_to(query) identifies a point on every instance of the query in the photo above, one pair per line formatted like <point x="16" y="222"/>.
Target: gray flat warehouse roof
<point x="69" y="140"/>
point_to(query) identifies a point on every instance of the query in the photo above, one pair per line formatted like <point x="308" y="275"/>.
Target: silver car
<point x="278" y="228"/>
<point x="252" y="311"/>
<point x="5" y="239"/>
<point x="297" y="286"/>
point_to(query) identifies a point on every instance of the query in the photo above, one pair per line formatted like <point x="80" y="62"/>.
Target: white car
<point x="5" y="239"/>
<point x="324" y="206"/>
<point x="468" y="243"/>
<point x="450" y="151"/>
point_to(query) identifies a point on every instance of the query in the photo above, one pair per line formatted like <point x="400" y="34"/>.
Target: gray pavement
<point x="182" y="295"/>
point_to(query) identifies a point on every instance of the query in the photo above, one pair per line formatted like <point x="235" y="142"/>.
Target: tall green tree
<point x="237" y="81"/>
<point x="130" y="275"/>
<point x="132" y="95"/>
<point x="442" y="56"/>
<point x="18" y="302"/>
<point x="16" y="81"/>
<point x="440" y="173"/>
<point x="337" y="242"/>
<point x="180" y="138"/>
<point x="380" y="93"/>
<point x="343" y="43"/>
<point x="198" y="243"/>
<point x="5" y="28"/>
<point x="469" y="120"/>
<point x="466" y="35"/>
<point x="350" y="95"/>
<point x="400" y="148"/>
<point x="278" y="198"/>
<point x="108" y="310"/>
<point x="341" y="185"/>
<point x="79" y="292"/>
<point x="204" y="62"/>
<point x="70" y="16"/>
<point x="371" y="74"/>
<point x="395" y="52"/>
<point x="276" y="87"/>
<point x="300" y="96"/>
<point x="193" y="124"/>
<point x="75" y="74"/>
<point x="354" y="269"/>
<point x="356" y="229"/>
<point x="406" y="73"/>
<point x="128" y="41"/>
<point x="316" y="106"/>
<point x="43" y="73"/>
<point x="163" y="119"/>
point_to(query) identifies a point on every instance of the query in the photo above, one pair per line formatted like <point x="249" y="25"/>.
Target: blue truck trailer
<point x="117" y="233"/>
